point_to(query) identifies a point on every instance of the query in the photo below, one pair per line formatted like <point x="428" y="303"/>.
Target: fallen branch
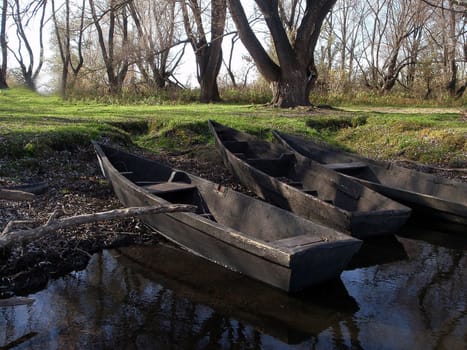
<point x="19" y="341"/>
<point x="36" y="187"/>
<point x="16" y="301"/>
<point x="15" y="195"/>
<point x="25" y="192"/>
<point x="9" y="236"/>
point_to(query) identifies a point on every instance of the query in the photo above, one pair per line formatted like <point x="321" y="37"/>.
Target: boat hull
<point x="288" y="269"/>
<point x="434" y="200"/>
<point x="382" y="218"/>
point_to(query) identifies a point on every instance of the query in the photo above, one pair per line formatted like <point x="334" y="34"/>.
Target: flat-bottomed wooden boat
<point x="431" y="197"/>
<point x="305" y="187"/>
<point x="234" y="230"/>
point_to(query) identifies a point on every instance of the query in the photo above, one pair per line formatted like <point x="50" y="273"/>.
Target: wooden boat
<point x="305" y="187"/>
<point x="234" y="230"/>
<point x="430" y="197"/>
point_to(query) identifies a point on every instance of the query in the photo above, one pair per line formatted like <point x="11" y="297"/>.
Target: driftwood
<point x="19" y="341"/>
<point x="10" y="236"/>
<point x="24" y="192"/>
<point x="15" y="195"/>
<point x="15" y="301"/>
<point x="36" y="187"/>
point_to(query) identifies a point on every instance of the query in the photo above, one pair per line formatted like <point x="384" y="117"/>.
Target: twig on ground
<point x="9" y="236"/>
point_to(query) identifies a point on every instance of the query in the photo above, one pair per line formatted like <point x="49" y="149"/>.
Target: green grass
<point x="32" y="126"/>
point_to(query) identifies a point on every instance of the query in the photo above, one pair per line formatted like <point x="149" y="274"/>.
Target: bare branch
<point x="9" y="236"/>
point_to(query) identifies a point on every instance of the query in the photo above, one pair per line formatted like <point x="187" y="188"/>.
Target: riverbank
<point x="45" y="139"/>
<point x="76" y="186"/>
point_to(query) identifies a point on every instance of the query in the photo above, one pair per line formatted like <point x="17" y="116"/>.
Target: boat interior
<point x="381" y="173"/>
<point x="301" y="173"/>
<point x="220" y="204"/>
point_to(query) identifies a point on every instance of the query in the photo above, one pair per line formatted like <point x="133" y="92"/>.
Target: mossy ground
<point x="32" y="125"/>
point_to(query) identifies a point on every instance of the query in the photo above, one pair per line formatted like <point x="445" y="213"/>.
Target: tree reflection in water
<point x="164" y="298"/>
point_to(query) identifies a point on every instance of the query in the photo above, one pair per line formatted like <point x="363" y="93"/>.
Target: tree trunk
<point x="452" y="82"/>
<point x="116" y="68"/>
<point x="294" y="73"/>
<point x="3" y="45"/>
<point x="209" y="91"/>
<point x="3" y="83"/>
<point x="208" y="74"/>
<point x="293" y="89"/>
<point x="208" y="53"/>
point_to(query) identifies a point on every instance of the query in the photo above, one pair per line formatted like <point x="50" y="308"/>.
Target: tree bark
<point x="116" y="69"/>
<point x="208" y="53"/>
<point x="3" y="45"/>
<point x="294" y="75"/>
<point x="63" y="44"/>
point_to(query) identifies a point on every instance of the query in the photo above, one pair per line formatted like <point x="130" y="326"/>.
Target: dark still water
<point x="404" y="292"/>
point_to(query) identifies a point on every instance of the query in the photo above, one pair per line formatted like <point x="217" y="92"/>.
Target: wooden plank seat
<point x="175" y="183"/>
<point x="298" y="241"/>
<point x="165" y="187"/>
<point x="147" y="183"/>
<point x="346" y="166"/>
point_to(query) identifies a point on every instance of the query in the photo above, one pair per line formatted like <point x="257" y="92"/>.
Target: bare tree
<point x="405" y="21"/>
<point x="446" y="39"/>
<point x="450" y="39"/>
<point x="3" y="45"/>
<point x="228" y="64"/>
<point x="24" y="55"/>
<point x="114" y="48"/>
<point x="294" y="27"/>
<point x="392" y="41"/>
<point x="158" y="36"/>
<point x="348" y="21"/>
<point x="208" y="53"/>
<point x="68" y="31"/>
<point x="326" y="56"/>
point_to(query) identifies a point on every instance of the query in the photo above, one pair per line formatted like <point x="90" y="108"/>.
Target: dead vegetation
<point x="75" y="187"/>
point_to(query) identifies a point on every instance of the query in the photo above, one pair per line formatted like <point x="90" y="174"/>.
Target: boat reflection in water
<point x="163" y="297"/>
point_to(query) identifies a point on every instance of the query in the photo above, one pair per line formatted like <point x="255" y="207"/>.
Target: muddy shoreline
<point x="77" y="187"/>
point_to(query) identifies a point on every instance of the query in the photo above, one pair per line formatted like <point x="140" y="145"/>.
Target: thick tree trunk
<point x="291" y="90"/>
<point x="29" y="82"/>
<point x="452" y="82"/>
<point x="209" y="91"/>
<point x="208" y="74"/>
<point x="208" y="52"/>
<point x="294" y="74"/>
<point x="3" y="83"/>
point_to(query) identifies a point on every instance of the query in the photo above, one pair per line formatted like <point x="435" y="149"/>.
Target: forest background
<point x="373" y="51"/>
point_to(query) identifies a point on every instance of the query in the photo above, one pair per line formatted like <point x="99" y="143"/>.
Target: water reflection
<point x="147" y="298"/>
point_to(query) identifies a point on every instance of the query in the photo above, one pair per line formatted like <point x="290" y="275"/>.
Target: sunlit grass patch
<point x="32" y="125"/>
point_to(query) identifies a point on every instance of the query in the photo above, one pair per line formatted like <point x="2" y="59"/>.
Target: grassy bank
<point x="32" y="126"/>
